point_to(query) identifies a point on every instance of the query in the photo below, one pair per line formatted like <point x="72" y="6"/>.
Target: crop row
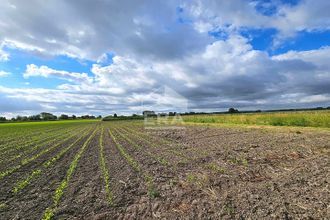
<point x="26" y="139"/>
<point x="28" y="149"/>
<point x="9" y="134"/>
<point x="32" y="158"/>
<point x="159" y="159"/>
<point x="104" y="169"/>
<point x="19" y="146"/>
<point x="170" y="147"/>
<point x="135" y="165"/>
<point x="37" y="172"/>
<point x="50" y="211"/>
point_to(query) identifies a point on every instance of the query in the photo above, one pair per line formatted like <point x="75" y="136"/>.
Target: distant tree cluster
<point x="232" y="110"/>
<point x="122" y="117"/>
<point x="88" y="117"/>
<point x="45" y="116"/>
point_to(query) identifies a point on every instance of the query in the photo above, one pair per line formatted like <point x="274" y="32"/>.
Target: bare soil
<point x="194" y="173"/>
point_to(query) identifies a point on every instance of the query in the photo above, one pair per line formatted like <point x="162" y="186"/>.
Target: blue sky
<point x="63" y="57"/>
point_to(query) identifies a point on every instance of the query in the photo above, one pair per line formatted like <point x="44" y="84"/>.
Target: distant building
<point x="148" y="113"/>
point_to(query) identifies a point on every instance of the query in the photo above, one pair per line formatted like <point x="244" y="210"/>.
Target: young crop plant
<point x="215" y="168"/>
<point x="35" y="173"/>
<point x="40" y="145"/>
<point x="161" y="140"/>
<point x="157" y="158"/>
<point x="239" y="160"/>
<point x="122" y="151"/>
<point x="171" y="150"/>
<point x="105" y="171"/>
<point x="41" y="137"/>
<point x="147" y="138"/>
<point x="9" y="138"/>
<point x="32" y="158"/>
<point x="152" y="192"/>
<point x="25" y="149"/>
<point x="50" y="211"/>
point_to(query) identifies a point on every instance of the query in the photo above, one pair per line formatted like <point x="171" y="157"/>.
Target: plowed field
<point x="122" y="170"/>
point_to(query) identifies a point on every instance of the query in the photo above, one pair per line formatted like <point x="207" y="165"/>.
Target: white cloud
<point x="309" y="15"/>
<point x="229" y="16"/>
<point x="227" y="73"/>
<point x="153" y="49"/>
<point x="124" y="72"/>
<point x="32" y="70"/>
<point x="4" y="56"/>
<point x="62" y="28"/>
<point x="4" y="73"/>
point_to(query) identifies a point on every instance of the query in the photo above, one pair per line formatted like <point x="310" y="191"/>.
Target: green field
<point x="304" y="119"/>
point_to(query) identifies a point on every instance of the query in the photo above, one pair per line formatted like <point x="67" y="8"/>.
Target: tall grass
<point x="304" y="119"/>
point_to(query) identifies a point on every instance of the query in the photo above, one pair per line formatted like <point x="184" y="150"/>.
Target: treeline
<point x="233" y="110"/>
<point x="122" y="117"/>
<point x="45" y="116"/>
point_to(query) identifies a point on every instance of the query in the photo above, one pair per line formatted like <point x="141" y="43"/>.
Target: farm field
<point x="319" y="118"/>
<point x="124" y="170"/>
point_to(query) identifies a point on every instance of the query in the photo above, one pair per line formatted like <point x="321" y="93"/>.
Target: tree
<point x="3" y="119"/>
<point x="88" y="117"/>
<point x="172" y="113"/>
<point x="64" y="117"/>
<point x="74" y="117"/>
<point x="232" y="110"/>
<point x="47" y="116"/>
<point x="34" y="118"/>
<point x="115" y="115"/>
<point x="99" y="117"/>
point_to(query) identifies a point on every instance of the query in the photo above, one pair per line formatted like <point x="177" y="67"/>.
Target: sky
<point x="105" y="56"/>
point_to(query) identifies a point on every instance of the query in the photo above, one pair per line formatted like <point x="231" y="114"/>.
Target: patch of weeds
<point x="191" y="178"/>
<point x="3" y="206"/>
<point x="163" y="161"/>
<point x="239" y="161"/>
<point x="244" y="161"/>
<point x="214" y="167"/>
<point x="153" y="193"/>
<point x="198" y="179"/>
<point x="173" y="182"/>
<point x="229" y="209"/>
<point x="269" y="185"/>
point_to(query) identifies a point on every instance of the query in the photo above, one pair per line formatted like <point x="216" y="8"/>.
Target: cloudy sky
<point x="106" y="56"/>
